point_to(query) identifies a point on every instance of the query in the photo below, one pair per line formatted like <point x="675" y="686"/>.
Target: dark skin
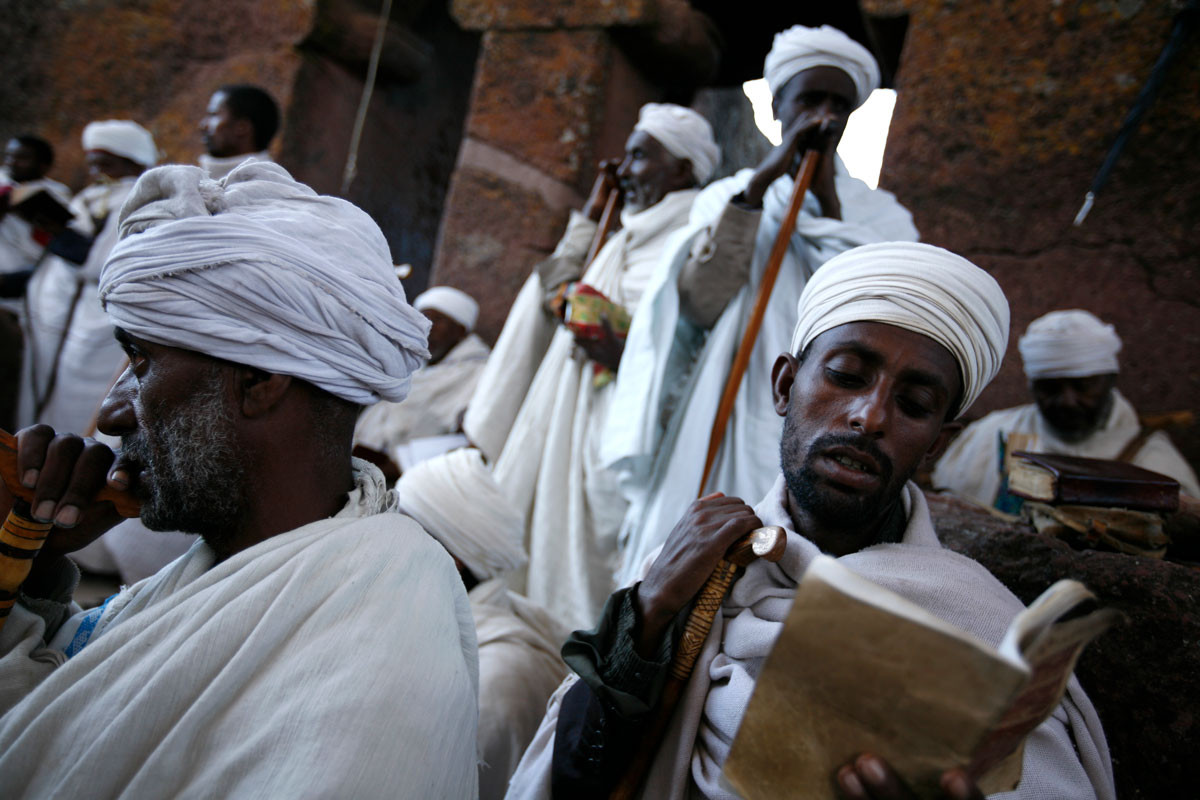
<point x="444" y="334"/>
<point x="813" y="107"/>
<point x="646" y="175"/>
<point x="888" y="389"/>
<point x="293" y="478"/>
<point x="23" y="163"/>
<point x="1075" y="408"/>
<point x="224" y="134"/>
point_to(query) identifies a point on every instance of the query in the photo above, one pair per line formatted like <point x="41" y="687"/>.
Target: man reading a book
<point x="1070" y="359"/>
<point x="893" y="342"/>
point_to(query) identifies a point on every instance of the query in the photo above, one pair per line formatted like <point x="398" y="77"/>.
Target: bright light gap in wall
<point x="866" y="133"/>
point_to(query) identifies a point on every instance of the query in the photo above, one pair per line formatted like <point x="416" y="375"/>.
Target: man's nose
<point x="116" y="416"/>
<point x="870" y="412"/>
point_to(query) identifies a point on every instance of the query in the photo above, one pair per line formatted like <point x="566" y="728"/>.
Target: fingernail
<point x="119" y="477"/>
<point x="873" y="769"/>
<point x="45" y="511"/>
<point x="29" y="479"/>
<point x="68" y="517"/>
<point x="850" y="783"/>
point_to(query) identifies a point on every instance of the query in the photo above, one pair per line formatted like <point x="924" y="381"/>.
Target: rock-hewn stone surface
<point x="1141" y="676"/>
<point x="1005" y="113"/>
<point x="482" y="15"/>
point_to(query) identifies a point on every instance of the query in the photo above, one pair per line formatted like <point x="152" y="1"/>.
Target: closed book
<point x="1074" y="480"/>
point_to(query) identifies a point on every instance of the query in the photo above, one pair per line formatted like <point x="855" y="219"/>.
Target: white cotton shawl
<point x="799" y="48"/>
<point x="456" y="499"/>
<point x="1072" y="343"/>
<point x="917" y="287"/>
<point x="1066" y="757"/>
<point x="660" y="455"/>
<point x="259" y="269"/>
<point x="684" y="133"/>
<point x="335" y="660"/>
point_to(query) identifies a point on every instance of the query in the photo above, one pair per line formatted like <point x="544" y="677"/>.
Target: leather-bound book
<point x="1074" y="480"/>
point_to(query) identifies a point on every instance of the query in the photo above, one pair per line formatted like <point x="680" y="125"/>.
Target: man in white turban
<point x="270" y="659"/>
<point x="660" y="424"/>
<point x="455" y="498"/>
<point x="893" y="341"/>
<point x="1070" y="359"/>
<point x="539" y="410"/>
<point x="441" y="390"/>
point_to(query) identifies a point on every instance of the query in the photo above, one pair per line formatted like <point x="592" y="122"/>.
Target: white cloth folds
<point x="799" y="48"/>
<point x="684" y="133"/>
<point x="917" y="287"/>
<point x="1069" y="344"/>
<point x="454" y="303"/>
<point x="259" y="269"/>
<point x="123" y="138"/>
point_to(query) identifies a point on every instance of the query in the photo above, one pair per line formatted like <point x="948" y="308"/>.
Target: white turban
<point x="800" y="48"/>
<point x="917" y="287"/>
<point x="457" y="305"/>
<point x="456" y="499"/>
<point x="260" y="270"/>
<point x="1069" y="344"/>
<point x="121" y="138"/>
<point x="684" y="133"/>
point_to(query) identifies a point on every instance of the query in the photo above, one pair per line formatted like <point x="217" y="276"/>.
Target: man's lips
<point x="853" y="458"/>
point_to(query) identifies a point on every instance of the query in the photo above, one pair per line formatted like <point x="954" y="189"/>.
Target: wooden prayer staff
<point x="607" y="219"/>
<point x="769" y="543"/>
<point x="808" y="167"/>
<point x="21" y="536"/>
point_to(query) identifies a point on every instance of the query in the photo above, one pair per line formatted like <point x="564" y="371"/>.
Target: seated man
<point x="456" y="500"/>
<point x="239" y="123"/>
<point x="1070" y="359"/>
<point x="893" y="341"/>
<point x="442" y="388"/>
<point x="313" y="642"/>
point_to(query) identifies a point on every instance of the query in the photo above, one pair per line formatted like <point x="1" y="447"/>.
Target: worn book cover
<point x="1074" y="480"/>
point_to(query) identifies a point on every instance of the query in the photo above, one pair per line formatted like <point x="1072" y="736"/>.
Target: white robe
<point x="971" y="465"/>
<point x="335" y="660"/>
<point x="955" y="588"/>
<point x="435" y="403"/>
<point x="18" y="249"/>
<point x="538" y="414"/>
<point x="519" y="668"/>
<point x="219" y="167"/>
<point x="672" y="377"/>
<point x="63" y="307"/>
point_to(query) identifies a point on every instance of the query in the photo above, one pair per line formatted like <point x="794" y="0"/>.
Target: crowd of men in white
<point x="326" y="635"/>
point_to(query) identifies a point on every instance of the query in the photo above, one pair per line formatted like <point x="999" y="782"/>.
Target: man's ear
<point x="260" y="392"/>
<point x="783" y="375"/>
<point x="945" y="436"/>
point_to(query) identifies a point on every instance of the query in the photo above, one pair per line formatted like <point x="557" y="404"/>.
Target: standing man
<point x="893" y="341"/>
<point x="540" y="407"/>
<point x="240" y="122"/>
<point x="314" y="642"/>
<point x="660" y="424"/>
<point x="1070" y="359"/>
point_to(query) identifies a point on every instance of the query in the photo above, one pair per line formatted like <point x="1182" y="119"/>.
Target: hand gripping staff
<point x="21" y="536"/>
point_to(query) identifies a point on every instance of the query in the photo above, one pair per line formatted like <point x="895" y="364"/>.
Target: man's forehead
<point x="215" y="102"/>
<point x="821" y="79"/>
<point x="883" y="342"/>
<point x="643" y="140"/>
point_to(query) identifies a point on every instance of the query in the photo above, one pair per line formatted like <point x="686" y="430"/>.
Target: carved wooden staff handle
<point x="770" y="543"/>
<point x="605" y="225"/>
<point x="126" y="503"/>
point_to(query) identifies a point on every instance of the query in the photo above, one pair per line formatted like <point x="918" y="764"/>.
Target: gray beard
<point x="197" y="480"/>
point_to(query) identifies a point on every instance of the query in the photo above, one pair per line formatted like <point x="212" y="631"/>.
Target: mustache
<point x="858" y="442"/>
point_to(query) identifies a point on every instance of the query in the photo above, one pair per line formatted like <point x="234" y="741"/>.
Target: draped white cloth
<point x="123" y="138"/>
<point x="519" y="668"/>
<point x="799" y="48"/>
<point x="953" y="587"/>
<point x="435" y="404"/>
<point x="538" y="413"/>
<point x="259" y="269"/>
<point x="672" y="376"/>
<point x="1071" y="343"/>
<point x="63" y="316"/>
<point x="684" y="133"/>
<point x="283" y="671"/>
<point x="971" y="465"/>
<point x="18" y="249"/>
<point x="218" y="167"/>
<point x="454" y="303"/>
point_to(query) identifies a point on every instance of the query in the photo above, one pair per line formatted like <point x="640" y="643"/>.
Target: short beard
<point x="829" y="506"/>
<point x="197" y="479"/>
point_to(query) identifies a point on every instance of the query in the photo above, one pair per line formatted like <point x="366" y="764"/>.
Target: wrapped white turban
<point x="1069" y="344"/>
<point x="456" y="499"/>
<point x="121" y="138"/>
<point x="917" y="287"/>
<point x="457" y="305"/>
<point x="259" y="269"/>
<point x="684" y="133"/>
<point x="800" y="48"/>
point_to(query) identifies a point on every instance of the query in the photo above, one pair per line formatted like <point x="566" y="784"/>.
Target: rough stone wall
<point x="1005" y="111"/>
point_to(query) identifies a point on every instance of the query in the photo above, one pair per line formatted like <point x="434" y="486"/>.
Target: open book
<point x="859" y="669"/>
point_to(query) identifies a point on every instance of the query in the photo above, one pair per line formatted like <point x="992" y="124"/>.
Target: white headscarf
<point x="260" y="270"/>
<point x="800" y="48"/>
<point x="456" y="499"/>
<point x="684" y="133"/>
<point x="121" y="138"/>
<point x="917" y="287"/>
<point x="456" y="304"/>
<point x="1069" y="344"/>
